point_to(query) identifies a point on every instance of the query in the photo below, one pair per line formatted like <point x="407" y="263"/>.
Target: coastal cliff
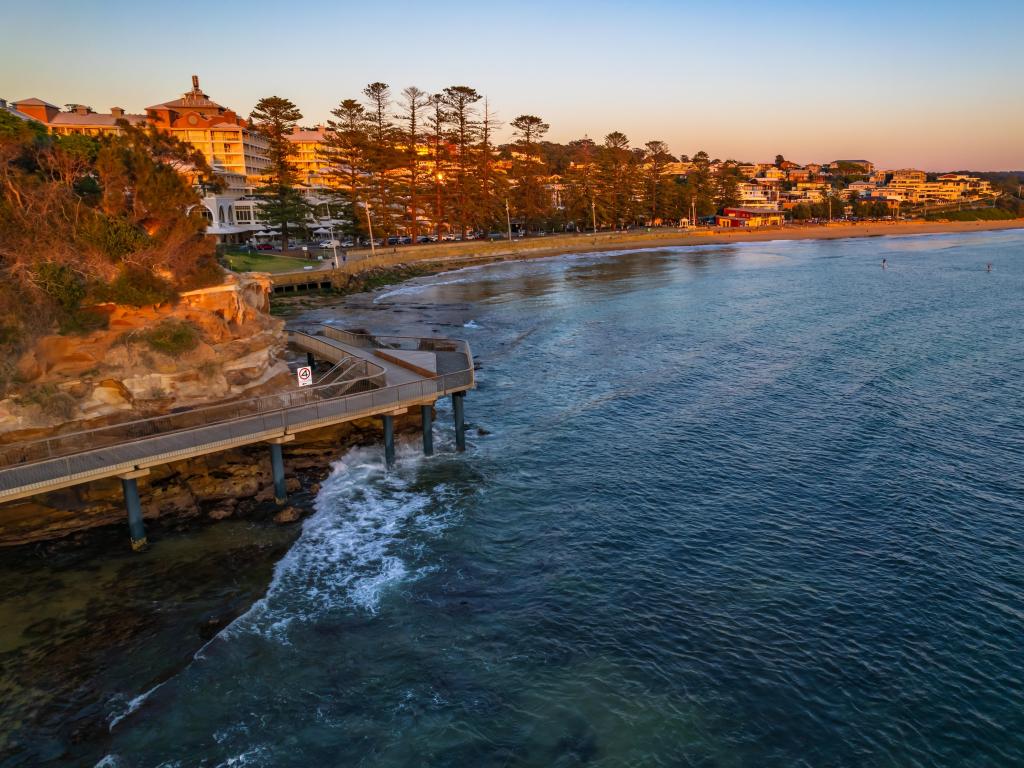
<point x="210" y="345"/>
<point x="213" y="345"/>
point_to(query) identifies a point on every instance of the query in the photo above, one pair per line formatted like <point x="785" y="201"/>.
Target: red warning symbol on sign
<point x="305" y="376"/>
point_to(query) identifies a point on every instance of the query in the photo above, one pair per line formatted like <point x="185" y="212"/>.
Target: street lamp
<point x="508" y="220"/>
<point x="438" y="178"/>
<point x="369" y="226"/>
<point x="593" y="214"/>
<point x="330" y="227"/>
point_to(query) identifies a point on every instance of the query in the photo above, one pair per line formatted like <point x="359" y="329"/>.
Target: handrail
<point x="79" y="453"/>
<point x="22" y="452"/>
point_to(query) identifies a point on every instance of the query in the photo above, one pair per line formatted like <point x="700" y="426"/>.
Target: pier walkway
<point x="383" y="376"/>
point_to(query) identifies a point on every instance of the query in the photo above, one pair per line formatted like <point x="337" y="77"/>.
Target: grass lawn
<point x="262" y="261"/>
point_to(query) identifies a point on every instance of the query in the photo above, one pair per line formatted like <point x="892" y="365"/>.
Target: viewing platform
<point x="382" y="376"/>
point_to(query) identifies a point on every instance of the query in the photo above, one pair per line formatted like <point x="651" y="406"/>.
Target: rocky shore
<point x="233" y="484"/>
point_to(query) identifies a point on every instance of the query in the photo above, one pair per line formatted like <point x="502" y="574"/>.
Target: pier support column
<point x="310" y="359"/>
<point x="277" y="467"/>
<point x="427" y="414"/>
<point x="136" y="527"/>
<point x="389" y="440"/>
<point x="458" y="406"/>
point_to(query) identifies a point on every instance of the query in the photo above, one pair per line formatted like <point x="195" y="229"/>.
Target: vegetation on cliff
<point x="85" y="220"/>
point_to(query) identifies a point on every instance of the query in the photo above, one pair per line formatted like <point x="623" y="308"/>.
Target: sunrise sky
<point x="935" y="85"/>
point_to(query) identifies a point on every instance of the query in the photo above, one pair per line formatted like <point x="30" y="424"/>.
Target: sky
<point x="930" y="84"/>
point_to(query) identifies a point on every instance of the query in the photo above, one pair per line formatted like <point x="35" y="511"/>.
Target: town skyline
<point x="811" y="84"/>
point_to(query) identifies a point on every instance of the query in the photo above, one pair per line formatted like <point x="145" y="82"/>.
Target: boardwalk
<point x="385" y="377"/>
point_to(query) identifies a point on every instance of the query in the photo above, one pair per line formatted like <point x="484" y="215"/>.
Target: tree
<point x="617" y="180"/>
<point x="779" y="160"/>
<point x="727" y="186"/>
<point x="437" y="120"/>
<point x="493" y="185"/>
<point x="414" y="105"/>
<point x="344" y="151"/>
<point x="531" y="198"/>
<point x="699" y="193"/>
<point x="459" y="101"/>
<point x="579" y="195"/>
<point x="382" y="155"/>
<point x="89" y="219"/>
<point x="657" y="188"/>
<point x="280" y="201"/>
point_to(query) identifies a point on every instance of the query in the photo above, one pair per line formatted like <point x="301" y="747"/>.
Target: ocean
<point x="746" y="505"/>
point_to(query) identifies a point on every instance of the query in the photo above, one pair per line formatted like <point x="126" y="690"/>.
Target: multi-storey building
<point x="968" y="186"/>
<point x="907" y="177"/>
<point x="307" y="156"/>
<point x="756" y="196"/>
<point x="78" y="118"/>
<point x="228" y="142"/>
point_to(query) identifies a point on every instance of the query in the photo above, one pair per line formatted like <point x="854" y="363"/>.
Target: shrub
<point x="972" y="214"/>
<point x="51" y="401"/>
<point x="208" y="369"/>
<point x="82" y="321"/>
<point x="172" y="337"/>
<point x="135" y="287"/>
<point x="114" y="237"/>
<point x="61" y="284"/>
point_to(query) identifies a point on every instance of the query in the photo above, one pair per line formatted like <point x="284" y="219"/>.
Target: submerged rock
<point x="287" y="515"/>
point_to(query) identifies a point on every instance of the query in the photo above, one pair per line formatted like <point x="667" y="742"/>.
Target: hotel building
<point x="226" y="140"/>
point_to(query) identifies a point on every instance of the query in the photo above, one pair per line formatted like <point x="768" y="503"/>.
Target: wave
<point x="348" y="556"/>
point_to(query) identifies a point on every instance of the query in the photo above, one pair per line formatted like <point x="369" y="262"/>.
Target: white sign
<point x="305" y="376"/>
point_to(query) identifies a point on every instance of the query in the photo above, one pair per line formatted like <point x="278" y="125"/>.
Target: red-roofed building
<point x="225" y="139"/>
<point x="78" y="118"/>
<point x="749" y="217"/>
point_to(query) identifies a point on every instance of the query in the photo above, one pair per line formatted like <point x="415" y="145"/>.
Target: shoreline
<point x="371" y="274"/>
<point x="556" y="245"/>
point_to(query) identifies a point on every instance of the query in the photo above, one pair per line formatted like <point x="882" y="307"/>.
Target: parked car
<point x="328" y="244"/>
<point x="423" y="239"/>
<point x="263" y="247"/>
<point x="348" y="244"/>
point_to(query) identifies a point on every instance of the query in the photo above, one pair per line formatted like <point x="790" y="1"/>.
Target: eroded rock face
<point x="232" y="483"/>
<point x="85" y="380"/>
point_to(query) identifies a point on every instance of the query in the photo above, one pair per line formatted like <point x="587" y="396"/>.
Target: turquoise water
<point x="757" y="505"/>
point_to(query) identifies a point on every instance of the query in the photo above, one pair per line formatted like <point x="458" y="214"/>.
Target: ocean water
<point x="754" y="505"/>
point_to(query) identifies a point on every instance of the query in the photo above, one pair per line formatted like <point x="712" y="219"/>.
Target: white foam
<point x="249" y="757"/>
<point x="345" y="557"/>
<point x="348" y="555"/>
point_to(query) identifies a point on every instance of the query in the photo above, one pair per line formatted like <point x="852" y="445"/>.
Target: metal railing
<point x="164" y="438"/>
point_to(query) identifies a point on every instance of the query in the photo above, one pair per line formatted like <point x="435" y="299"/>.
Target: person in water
<point x="988" y="267"/>
<point x="884" y="263"/>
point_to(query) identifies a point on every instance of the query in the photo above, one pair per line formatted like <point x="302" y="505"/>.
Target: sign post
<point x="305" y="376"/>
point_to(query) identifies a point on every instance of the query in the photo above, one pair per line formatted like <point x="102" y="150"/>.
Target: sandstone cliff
<point x="213" y="344"/>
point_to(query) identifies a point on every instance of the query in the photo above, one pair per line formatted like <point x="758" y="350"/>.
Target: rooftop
<point x="194" y="99"/>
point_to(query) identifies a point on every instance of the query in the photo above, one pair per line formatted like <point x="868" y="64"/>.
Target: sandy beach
<point x="446" y="256"/>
